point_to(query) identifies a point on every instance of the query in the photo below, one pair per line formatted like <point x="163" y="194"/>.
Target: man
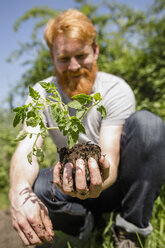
<point x="132" y="144"/>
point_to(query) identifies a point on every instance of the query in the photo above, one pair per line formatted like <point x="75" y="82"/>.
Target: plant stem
<point x="87" y="109"/>
<point x="49" y="128"/>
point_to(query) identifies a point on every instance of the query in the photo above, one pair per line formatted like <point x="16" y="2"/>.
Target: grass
<point x="4" y="200"/>
<point x="101" y="237"/>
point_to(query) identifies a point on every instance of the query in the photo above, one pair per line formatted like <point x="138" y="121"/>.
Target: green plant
<point x="71" y="126"/>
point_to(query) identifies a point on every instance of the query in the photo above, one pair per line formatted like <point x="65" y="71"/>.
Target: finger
<point x="56" y="174"/>
<point x="45" y="225"/>
<point x="42" y="233"/>
<point x="40" y="230"/>
<point x="28" y="231"/>
<point x="105" y="166"/>
<point x="39" y="225"/>
<point x="82" y="197"/>
<point x="80" y="177"/>
<point x="95" y="177"/>
<point x="67" y="178"/>
<point x="73" y="194"/>
<point x="20" y="233"/>
<point x="47" y="222"/>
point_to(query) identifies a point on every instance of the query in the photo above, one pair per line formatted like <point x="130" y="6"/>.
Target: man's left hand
<point x="98" y="174"/>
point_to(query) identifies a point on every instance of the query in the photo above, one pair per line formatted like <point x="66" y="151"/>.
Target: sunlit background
<point x="10" y="73"/>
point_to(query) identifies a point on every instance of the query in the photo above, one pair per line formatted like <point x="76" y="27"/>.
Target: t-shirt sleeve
<point x="119" y="102"/>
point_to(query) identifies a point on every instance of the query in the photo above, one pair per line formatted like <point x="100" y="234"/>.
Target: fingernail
<point x="57" y="164"/>
<point x="92" y="160"/>
<point x="80" y="161"/>
<point x="50" y="240"/>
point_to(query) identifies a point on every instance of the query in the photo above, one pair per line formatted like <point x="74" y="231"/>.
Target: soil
<point x="10" y="239"/>
<point x="84" y="151"/>
<point x="8" y="236"/>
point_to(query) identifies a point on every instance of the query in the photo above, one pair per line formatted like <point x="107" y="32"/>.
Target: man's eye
<point x="81" y="56"/>
<point x="64" y="59"/>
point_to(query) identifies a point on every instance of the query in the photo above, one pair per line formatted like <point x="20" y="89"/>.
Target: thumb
<point x="105" y="166"/>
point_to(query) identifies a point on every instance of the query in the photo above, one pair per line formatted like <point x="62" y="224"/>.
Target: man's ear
<point x="52" y="56"/>
<point x="96" y="50"/>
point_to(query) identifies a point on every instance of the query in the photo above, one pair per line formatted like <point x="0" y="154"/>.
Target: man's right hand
<point x="30" y="217"/>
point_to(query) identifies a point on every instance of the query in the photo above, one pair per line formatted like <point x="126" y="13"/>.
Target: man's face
<point x="75" y="65"/>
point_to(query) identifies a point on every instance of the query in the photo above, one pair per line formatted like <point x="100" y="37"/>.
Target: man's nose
<point x="74" y="64"/>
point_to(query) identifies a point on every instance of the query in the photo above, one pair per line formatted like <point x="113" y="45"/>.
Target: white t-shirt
<point x="117" y="98"/>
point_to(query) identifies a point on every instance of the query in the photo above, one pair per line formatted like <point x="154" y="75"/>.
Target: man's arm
<point x="29" y="215"/>
<point x="110" y="146"/>
<point x="21" y="172"/>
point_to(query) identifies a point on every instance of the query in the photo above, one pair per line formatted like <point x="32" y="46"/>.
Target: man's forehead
<point x="64" y="45"/>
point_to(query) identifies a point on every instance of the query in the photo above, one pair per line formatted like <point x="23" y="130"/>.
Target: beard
<point x="74" y="87"/>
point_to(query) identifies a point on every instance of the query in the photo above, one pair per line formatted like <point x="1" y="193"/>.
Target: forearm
<point x="112" y="177"/>
<point x="110" y="146"/>
<point x="22" y="173"/>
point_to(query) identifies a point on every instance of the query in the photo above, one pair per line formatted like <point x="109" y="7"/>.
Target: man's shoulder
<point x="112" y="86"/>
<point x="105" y="77"/>
<point x="109" y="82"/>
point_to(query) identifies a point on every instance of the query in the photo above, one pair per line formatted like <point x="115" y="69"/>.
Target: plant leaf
<point x="80" y="113"/>
<point x="39" y="154"/>
<point x="17" y="109"/>
<point x="70" y="142"/>
<point x="33" y="93"/>
<point x="22" y="135"/>
<point x="33" y="121"/>
<point x="83" y="98"/>
<point x="17" y="119"/>
<point x="75" y="104"/>
<point x="97" y="97"/>
<point x="102" y="110"/>
<point x="45" y="85"/>
<point x="31" y="114"/>
<point x="77" y="122"/>
<point x="29" y="157"/>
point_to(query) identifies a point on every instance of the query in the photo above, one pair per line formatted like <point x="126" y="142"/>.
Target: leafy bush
<point x="7" y="146"/>
<point x="131" y="46"/>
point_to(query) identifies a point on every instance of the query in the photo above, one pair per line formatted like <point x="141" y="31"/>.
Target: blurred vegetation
<point x="132" y="46"/>
<point x="7" y="148"/>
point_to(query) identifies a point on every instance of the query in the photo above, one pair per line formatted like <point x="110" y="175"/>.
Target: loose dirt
<point x="83" y="151"/>
<point x="10" y="239"/>
<point x="8" y="236"/>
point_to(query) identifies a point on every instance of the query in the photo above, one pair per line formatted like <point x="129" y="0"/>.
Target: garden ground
<point x="8" y="236"/>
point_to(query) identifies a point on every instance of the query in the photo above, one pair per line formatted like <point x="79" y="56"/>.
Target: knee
<point x="42" y="185"/>
<point x="147" y="127"/>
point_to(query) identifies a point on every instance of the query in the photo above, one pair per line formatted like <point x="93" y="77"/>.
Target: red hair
<point x="72" y="23"/>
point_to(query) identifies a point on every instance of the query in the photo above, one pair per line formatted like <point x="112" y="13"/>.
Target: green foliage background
<point x="132" y="46"/>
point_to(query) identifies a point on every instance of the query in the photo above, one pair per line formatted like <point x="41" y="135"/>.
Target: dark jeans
<point x="141" y="175"/>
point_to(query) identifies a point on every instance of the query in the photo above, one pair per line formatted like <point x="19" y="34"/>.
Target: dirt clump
<point x="83" y="151"/>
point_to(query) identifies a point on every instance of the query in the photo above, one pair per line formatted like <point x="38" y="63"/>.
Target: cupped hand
<point x="30" y="217"/>
<point x="79" y="188"/>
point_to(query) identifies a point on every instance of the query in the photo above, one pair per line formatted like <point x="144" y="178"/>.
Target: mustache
<point x="81" y="71"/>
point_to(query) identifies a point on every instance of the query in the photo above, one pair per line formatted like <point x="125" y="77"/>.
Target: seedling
<point x="71" y="126"/>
